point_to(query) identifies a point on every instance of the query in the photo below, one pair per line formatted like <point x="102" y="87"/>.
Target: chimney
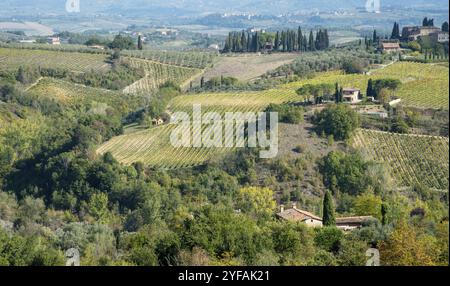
<point x="281" y="208"/>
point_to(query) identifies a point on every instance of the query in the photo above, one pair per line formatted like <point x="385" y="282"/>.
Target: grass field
<point x="12" y="59"/>
<point x="153" y="147"/>
<point x="413" y="159"/>
<point x="423" y="85"/>
<point x="248" y="66"/>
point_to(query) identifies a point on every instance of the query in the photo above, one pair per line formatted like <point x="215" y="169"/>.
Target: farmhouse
<point x="389" y="47"/>
<point x="413" y="33"/>
<point x="344" y="223"/>
<point x="53" y="41"/>
<point x="295" y="214"/>
<point x="351" y="95"/>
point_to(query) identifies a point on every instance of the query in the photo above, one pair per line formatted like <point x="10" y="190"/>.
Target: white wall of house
<point x="313" y="222"/>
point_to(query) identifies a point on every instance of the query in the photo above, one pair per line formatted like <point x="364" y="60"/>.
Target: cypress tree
<point x="336" y="93"/>
<point x="383" y="213"/>
<point x="243" y="42"/>
<point x="328" y="210"/>
<point x="374" y="37"/>
<point x="395" y="31"/>
<point x="277" y="41"/>
<point x="140" y="45"/>
<point x="202" y="82"/>
<point x="311" y="45"/>
<point x="370" y="89"/>
<point x="299" y="39"/>
<point x="327" y="39"/>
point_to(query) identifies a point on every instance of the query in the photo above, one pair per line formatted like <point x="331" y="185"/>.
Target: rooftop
<point x="353" y="219"/>
<point x="297" y="215"/>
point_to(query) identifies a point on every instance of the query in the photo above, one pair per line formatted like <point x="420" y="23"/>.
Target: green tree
<point x="98" y="207"/>
<point x="406" y="247"/>
<point x="257" y="201"/>
<point x="328" y="210"/>
<point x="122" y="43"/>
<point x="339" y="120"/>
<point x="344" y="172"/>
<point x="368" y="204"/>
<point x="445" y="26"/>
<point x="329" y="238"/>
<point x="140" y="43"/>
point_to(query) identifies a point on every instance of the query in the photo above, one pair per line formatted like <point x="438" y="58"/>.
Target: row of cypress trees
<point x="281" y="41"/>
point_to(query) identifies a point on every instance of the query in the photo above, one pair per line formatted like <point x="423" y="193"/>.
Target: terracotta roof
<point x="390" y="46"/>
<point x="352" y="89"/>
<point x="353" y="219"/>
<point x="297" y="215"/>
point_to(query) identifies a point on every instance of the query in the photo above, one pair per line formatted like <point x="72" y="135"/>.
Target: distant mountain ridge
<point x="198" y="7"/>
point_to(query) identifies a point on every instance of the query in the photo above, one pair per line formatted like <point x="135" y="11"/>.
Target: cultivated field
<point x="423" y="85"/>
<point x="248" y="66"/>
<point x="413" y="159"/>
<point x="153" y="147"/>
<point x="12" y="59"/>
<point x="70" y="94"/>
<point x="157" y="74"/>
<point x="199" y="60"/>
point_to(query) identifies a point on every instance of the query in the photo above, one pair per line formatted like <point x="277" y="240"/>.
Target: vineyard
<point x="413" y="159"/>
<point x="157" y="74"/>
<point x="70" y="94"/>
<point x="199" y="60"/>
<point x="423" y="85"/>
<point x="12" y="59"/>
<point x="153" y="147"/>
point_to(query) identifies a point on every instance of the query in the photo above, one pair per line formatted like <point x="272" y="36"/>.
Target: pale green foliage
<point x="257" y="201"/>
<point x="368" y="204"/>
<point x="98" y="207"/>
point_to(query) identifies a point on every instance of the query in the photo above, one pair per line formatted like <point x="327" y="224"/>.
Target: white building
<point x="53" y="41"/>
<point x="351" y="95"/>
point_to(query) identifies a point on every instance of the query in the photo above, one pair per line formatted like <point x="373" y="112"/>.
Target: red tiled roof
<point x="297" y="215"/>
<point x="353" y="219"/>
<point x="351" y="89"/>
<point x="390" y="46"/>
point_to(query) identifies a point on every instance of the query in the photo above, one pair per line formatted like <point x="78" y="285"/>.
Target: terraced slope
<point x="413" y="159"/>
<point x="158" y="74"/>
<point x="153" y="147"/>
<point x="70" y="95"/>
